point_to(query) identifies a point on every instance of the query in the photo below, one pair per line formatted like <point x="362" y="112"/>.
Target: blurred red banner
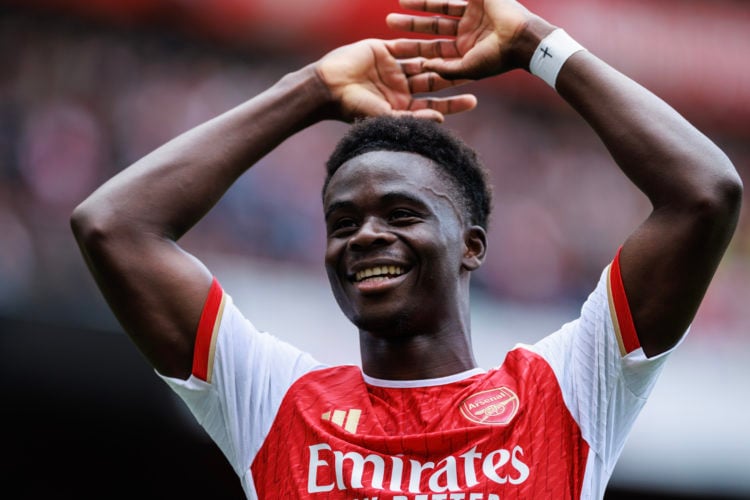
<point x="694" y="53"/>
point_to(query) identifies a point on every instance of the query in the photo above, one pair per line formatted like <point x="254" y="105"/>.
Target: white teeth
<point x="382" y="271"/>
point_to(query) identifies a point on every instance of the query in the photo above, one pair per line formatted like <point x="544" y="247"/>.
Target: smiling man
<point x="406" y="208"/>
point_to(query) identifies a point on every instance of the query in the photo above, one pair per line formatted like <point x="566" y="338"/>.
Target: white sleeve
<point x="603" y="373"/>
<point x="240" y="376"/>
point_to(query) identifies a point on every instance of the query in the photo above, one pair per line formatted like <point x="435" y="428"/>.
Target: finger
<point x="432" y="25"/>
<point x="454" y="8"/>
<point x="413" y="66"/>
<point x="431" y="82"/>
<point x="444" y="105"/>
<point x="425" y="114"/>
<point x="449" y="69"/>
<point x="406" y="48"/>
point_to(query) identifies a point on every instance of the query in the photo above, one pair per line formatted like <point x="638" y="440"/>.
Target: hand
<point x="482" y="36"/>
<point x="366" y="79"/>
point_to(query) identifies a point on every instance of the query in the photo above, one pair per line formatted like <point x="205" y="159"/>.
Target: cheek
<point x="332" y="254"/>
<point x="335" y="284"/>
<point x="332" y="260"/>
<point x="337" y="288"/>
<point x="444" y="245"/>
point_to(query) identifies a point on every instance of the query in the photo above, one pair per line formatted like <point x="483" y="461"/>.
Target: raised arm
<point x="128" y="228"/>
<point x="668" y="262"/>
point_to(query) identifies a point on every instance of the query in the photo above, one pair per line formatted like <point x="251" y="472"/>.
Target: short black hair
<point x="457" y="161"/>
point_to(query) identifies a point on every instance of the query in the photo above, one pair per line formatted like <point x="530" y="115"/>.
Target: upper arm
<point x="155" y="288"/>
<point x="668" y="262"/>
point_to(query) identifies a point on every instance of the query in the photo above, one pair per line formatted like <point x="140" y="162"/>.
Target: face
<point x="396" y="255"/>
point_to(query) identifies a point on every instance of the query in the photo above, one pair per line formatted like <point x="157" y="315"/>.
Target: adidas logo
<point x="349" y="420"/>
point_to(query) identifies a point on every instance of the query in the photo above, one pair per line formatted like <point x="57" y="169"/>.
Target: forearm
<point x="169" y="190"/>
<point x="667" y="158"/>
<point x="660" y="151"/>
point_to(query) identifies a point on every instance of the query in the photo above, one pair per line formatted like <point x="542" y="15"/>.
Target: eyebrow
<point x="391" y="197"/>
<point x="338" y="205"/>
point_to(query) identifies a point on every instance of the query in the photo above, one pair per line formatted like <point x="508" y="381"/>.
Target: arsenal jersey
<point x="549" y="423"/>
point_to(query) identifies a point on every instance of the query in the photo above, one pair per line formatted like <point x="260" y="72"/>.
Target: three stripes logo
<point x="349" y="420"/>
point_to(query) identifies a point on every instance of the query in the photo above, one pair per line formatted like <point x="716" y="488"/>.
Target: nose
<point x="372" y="232"/>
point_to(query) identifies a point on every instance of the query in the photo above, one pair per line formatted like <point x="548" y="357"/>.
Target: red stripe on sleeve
<point x="622" y="309"/>
<point x="202" y="349"/>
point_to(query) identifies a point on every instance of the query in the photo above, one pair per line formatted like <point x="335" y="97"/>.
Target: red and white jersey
<point x="549" y="423"/>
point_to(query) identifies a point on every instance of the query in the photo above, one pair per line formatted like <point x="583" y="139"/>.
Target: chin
<point x="383" y="325"/>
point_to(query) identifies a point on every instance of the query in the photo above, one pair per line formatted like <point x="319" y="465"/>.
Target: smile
<point x="378" y="273"/>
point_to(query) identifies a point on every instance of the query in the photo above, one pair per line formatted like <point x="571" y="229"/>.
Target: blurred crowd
<point x="79" y="102"/>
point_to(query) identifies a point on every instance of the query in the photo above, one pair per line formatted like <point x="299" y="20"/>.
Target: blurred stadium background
<point x="89" y="86"/>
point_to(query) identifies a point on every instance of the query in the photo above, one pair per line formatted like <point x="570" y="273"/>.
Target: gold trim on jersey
<point x="214" y="336"/>
<point x="613" y="312"/>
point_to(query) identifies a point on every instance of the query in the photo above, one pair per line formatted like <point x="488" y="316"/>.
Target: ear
<point x="475" y="248"/>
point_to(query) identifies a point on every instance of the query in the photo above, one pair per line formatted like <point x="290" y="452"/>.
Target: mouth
<point x="378" y="277"/>
<point x="378" y="273"/>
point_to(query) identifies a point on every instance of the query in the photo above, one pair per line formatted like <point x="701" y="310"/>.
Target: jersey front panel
<point x="501" y="434"/>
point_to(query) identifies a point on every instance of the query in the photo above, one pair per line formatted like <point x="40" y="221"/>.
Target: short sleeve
<point x="239" y="378"/>
<point x="603" y="373"/>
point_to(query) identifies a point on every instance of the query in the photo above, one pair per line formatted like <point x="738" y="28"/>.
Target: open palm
<point x="477" y="33"/>
<point x="366" y="79"/>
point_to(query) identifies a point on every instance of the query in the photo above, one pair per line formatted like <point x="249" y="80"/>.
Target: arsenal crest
<point x="491" y="407"/>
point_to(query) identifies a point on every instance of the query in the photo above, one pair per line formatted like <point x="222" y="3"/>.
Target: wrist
<point x="308" y="91"/>
<point x="528" y="39"/>
<point x="551" y="54"/>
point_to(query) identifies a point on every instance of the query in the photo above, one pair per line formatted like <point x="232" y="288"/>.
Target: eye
<point x="403" y="216"/>
<point x="342" y="226"/>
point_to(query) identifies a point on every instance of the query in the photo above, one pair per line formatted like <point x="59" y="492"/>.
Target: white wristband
<point x="551" y="54"/>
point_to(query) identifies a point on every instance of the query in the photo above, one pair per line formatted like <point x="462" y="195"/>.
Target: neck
<point x="415" y="357"/>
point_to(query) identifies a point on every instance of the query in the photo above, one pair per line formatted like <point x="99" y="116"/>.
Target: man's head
<point x="403" y="229"/>
<point x="457" y="161"/>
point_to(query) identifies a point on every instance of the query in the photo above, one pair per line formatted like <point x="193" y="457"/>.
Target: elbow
<point x="735" y="194"/>
<point x="91" y="226"/>
<point x="724" y="198"/>
<point x="719" y="200"/>
<point x="84" y="224"/>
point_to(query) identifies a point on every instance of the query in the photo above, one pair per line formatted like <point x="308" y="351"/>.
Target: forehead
<point x="381" y="172"/>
